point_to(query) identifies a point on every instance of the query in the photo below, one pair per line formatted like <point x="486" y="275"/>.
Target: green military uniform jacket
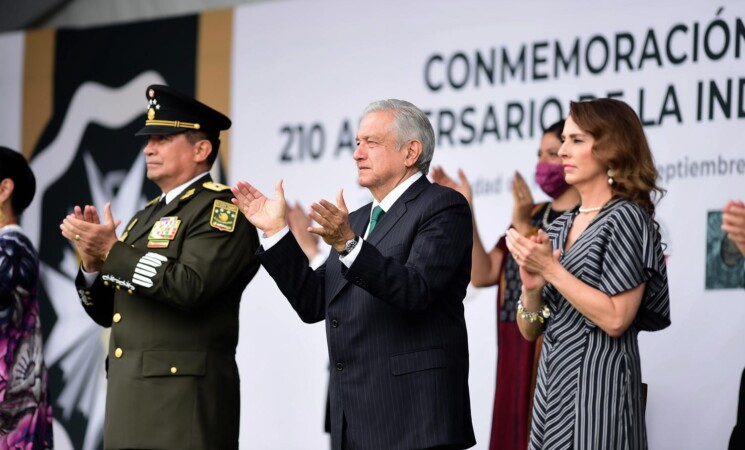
<point x="170" y="291"/>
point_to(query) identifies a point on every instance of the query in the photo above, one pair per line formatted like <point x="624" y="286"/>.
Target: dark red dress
<point x="516" y="356"/>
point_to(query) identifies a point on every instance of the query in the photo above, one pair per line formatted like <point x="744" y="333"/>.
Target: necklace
<point x="546" y="214"/>
<point x="547" y="225"/>
<point x="587" y="210"/>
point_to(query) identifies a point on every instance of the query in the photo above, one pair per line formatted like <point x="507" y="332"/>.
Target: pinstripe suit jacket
<point x="394" y="322"/>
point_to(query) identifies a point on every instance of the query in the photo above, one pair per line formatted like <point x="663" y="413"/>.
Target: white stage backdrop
<point x="11" y="72"/>
<point x="490" y="74"/>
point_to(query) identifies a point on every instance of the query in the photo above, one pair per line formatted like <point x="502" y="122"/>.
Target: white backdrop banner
<point x="491" y="75"/>
<point x="11" y="88"/>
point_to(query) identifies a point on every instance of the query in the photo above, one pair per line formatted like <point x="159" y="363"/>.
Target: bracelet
<point x="543" y="312"/>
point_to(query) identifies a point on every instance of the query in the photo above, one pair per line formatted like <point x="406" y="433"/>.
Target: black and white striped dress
<point x="588" y="391"/>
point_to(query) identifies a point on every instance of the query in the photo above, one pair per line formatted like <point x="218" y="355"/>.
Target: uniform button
<point x="118" y="352"/>
<point x="117" y="318"/>
<point x="339" y="366"/>
<point x="105" y="283"/>
<point x="334" y="323"/>
<point x="174" y="370"/>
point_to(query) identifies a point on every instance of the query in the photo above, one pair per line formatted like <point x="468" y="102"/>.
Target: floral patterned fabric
<point x="25" y="412"/>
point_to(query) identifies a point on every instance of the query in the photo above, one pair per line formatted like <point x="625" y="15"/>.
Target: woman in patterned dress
<point x="515" y="356"/>
<point x="594" y="282"/>
<point x="25" y="411"/>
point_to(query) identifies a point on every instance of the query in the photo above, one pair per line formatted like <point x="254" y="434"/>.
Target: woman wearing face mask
<point x="515" y="358"/>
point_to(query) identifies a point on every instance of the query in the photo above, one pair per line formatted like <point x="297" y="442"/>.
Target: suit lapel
<point x="397" y="211"/>
<point x="361" y="220"/>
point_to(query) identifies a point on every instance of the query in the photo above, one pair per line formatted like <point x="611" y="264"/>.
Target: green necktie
<point x="377" y="214"/>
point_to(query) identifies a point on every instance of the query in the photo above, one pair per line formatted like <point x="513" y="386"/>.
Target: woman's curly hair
<point x="620" y="145"/>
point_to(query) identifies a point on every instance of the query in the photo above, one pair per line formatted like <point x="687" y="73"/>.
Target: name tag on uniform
<point x="163" y="231"/>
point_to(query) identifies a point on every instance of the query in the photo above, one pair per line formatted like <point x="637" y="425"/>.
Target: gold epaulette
<point x="217" y="187"/>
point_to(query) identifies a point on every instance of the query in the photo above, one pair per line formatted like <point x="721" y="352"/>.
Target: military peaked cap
<point x="170" y="111"/>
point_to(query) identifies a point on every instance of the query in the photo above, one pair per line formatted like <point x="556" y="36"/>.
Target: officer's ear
<point x="202" y="150"/>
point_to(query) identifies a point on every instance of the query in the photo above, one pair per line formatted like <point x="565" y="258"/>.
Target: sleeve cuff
<point x="318" y="260"/>
<point x="268" y="242"/>
<point x="89" y="277"/>
<point x="348" y="260"/>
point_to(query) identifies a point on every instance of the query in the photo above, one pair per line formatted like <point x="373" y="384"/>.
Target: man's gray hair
<point x="409" y="123"/>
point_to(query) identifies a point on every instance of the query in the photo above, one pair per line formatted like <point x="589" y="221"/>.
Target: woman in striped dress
<point x="594" y="282"/>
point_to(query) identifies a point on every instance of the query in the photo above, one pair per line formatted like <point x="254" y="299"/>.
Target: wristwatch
<point x="349" y="246"/>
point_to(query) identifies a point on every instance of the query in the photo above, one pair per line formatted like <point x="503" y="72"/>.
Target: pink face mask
<point x="550" y="177"/>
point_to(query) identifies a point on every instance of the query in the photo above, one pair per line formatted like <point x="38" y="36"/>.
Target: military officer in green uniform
<point x="170" y="287"/>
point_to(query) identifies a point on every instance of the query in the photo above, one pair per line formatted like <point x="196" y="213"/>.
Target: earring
<point x="610" y="177"/>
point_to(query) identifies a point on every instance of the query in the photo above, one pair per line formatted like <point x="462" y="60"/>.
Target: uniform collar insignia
<point x="153" y="201"/>
<point x="188" y="194"/>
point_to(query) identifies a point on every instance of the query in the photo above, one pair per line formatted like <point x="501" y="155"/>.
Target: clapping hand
<point x="523" y="204"/>
<point x="334" y="227"/>
<point x="92" y="238"/>
<point x="300" y="225"/>
<point x="733" y="223"/>
<point x="534" y="257"/>
<point x="268" y="215"/>
<point x="464" y="187"/>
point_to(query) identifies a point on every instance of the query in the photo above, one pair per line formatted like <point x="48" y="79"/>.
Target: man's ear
<point x="202" y="150"/>
<point x="413" y="152"/>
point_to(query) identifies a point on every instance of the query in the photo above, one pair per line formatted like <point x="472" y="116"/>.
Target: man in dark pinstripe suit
<point x="391" y="291"/>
